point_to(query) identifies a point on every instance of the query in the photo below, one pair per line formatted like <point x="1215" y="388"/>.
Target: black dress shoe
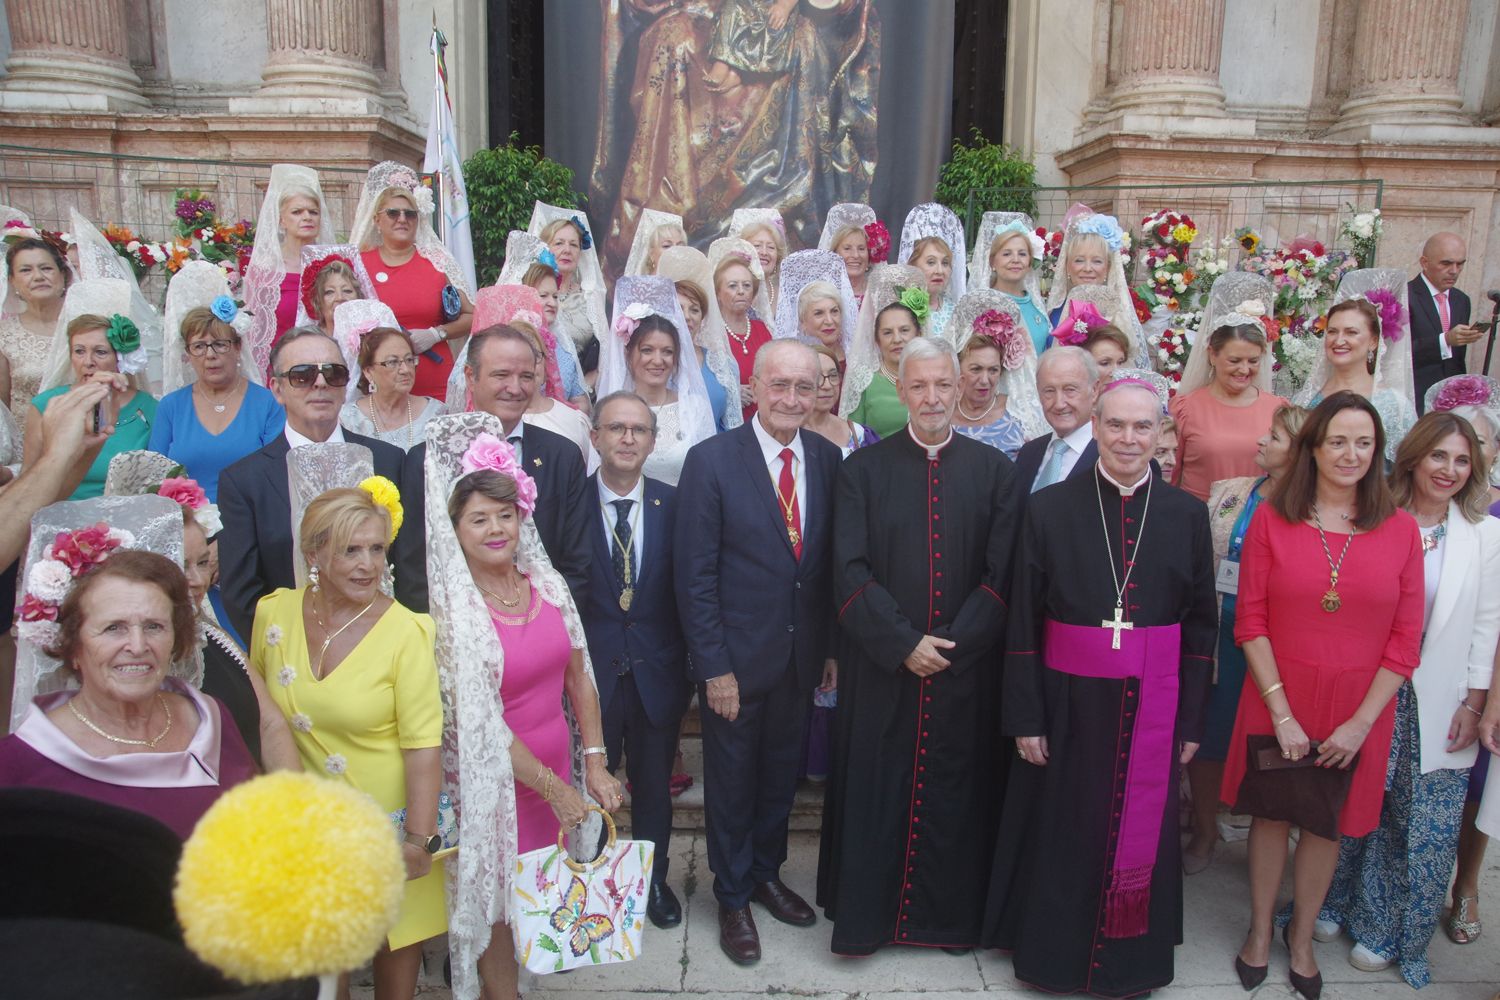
<point x="784" y="904"/>
<point x="662" y="906"/>
<point x="738" y="936"/>
<point x="1307" y="987"/>
<point x="1251" y="976"/>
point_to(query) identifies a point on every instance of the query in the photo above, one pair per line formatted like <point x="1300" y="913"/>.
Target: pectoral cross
<point x="1116" y="626"/>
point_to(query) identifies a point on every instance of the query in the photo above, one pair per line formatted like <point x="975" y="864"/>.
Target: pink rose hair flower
<point x="1392" y="314"/>
<point x="34" y="609"/>
<point x="185" y="491"/>
<point x="489" y="452"/>
<point x="85" y="548"/>
<point x="878" y="240"/>
<point x="1465" y="390"/>
<point x="1000" y="329"/>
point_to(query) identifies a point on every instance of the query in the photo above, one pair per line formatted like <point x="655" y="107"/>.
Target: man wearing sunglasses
<point x="255" y="548"/>
<point x="500" y="370"/>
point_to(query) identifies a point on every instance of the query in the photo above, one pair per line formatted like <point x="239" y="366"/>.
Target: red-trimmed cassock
<point x="922" y="546"/>
<point x="1087" y="880"/>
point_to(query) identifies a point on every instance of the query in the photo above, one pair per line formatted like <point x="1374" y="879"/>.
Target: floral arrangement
<point x="1077" y="320"/>
<point x="385" y="494"/>
<point x="1169" y="275"/>
<point x="217" y="242"/>
<point x="627" y="322"/>
<point x="310" y="277"/>
<point x="917" y="300"/>
<point x="1051" y="251"/>
<point x="1000" y="329"/>
<point x="50" y="579"/>
<point x="1247" y="238"/>
<point x="186" y="492"/>
<point x="1464" y="390"/>
<point x="1107" y="228"/>
<point x="1172" y="347"/>
<point x="1295" y="357"/>
<point x="878" y="241"/>
<point x="1392" y="313"/>
<point x="15" y="230"/>
<point x="141" y="255"/>
<point x="1171" y="230"/>
<point x="1362" y="230"/>
<point x="487" y="451"/>
<point x="193" y="212"/>
<point x="1305" y="276"/>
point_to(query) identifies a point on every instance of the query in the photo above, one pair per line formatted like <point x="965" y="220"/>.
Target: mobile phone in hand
<point x="1484" y="327"/>
<point x="98" y="419"/>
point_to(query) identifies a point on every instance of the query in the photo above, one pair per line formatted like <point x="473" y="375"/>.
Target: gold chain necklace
<point x="1331" y="600"/>
<point x="151" y="743"/>
<point x="318" y="670"/>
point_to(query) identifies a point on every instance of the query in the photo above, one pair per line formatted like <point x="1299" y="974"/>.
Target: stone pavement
<point x="687" y="961"/>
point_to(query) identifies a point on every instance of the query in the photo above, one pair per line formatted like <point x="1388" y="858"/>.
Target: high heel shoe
<point x="1308" y="987"/>
<point x="1251" y="976"/>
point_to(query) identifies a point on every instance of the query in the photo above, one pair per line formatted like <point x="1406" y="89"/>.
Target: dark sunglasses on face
<point x="303" y="376"/>
<point x="397" y="214"/>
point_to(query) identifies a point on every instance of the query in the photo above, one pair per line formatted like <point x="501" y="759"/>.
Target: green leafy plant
<point x="503" y="183"/>
<point x="1001" y="179"/>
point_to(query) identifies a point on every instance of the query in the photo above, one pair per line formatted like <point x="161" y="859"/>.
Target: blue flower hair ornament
<point x="224" y="309"/>
<point x="1106" y="228"/>
<point x="549" y="258"/>
<point x="585" y="241"/>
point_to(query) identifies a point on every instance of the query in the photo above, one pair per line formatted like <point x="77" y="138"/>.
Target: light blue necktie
<point x="1052" y="471"/>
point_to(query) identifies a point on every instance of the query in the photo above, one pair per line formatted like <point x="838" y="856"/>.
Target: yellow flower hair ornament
<point x="289" y="875"/>
<point x="384" y="493"/>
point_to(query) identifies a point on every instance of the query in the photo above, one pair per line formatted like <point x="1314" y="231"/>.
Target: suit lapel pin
<point x="537" y="462"/>
<point x="656" y="503"/>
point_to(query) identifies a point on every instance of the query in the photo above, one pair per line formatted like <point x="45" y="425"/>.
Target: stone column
<point x="1406" y="62"/>
<point x="69" y="55"/>
<point x="322" y="49"/>
<point x="1168" y="58"/>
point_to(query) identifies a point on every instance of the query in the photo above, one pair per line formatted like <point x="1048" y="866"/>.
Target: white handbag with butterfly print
<point x="567" y="914"/>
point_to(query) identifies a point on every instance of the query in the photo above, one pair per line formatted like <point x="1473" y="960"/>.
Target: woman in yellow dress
<point x="353" y="671"/>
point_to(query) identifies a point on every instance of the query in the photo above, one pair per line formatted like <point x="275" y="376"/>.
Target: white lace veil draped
<point x="261" y="288"/>
<point x="521" y="251"/>
<point x="645" y="237"/>
<point x="97" y="259"/>
<point x="746" y="219"/>
<point x="197" y="284"/>
<point x="1018" y="384"/>
<point x="733" y="246"/>
<point x="659" y="295"/>
<point x="476" y="739"/>
<point x="153" y="524"/>
<point x="104" y="297"/>
<point x="389" y="174"/>
<point x="137" y="473"/>
<point x="932" y="219"/>
<point x="1229" y="293"/>
<point x="590" y="274"/>
<point x="315" y="253"/>
<point x="883" y="287"/>
<point x="689" y="264"/>
<point x="802" y="269"/>
<point x="842" y="216"/>
<point x="351" y="321"/>
<point x="990" y="225"/>
<point x="311" y="471"/>
<point x="10" y="306"/>
<point x="1124" y="317"/>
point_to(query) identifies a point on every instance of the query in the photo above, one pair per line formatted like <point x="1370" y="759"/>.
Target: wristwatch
<point x="429" y="844"/>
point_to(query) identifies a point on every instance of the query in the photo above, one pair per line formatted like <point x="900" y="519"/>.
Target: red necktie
<point x="786" y="496"/>
<point x="1442" y="300"/>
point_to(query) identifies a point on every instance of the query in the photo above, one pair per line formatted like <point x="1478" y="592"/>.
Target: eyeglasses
<point x="781" y="387"/>
<point x="637" y="430"/>
<point x="397" y="214"/>
<point x="391" y="364"/>
<point x="200" y="348"/>
<point x="829" y="378"/>
<point x="303" y="376"/>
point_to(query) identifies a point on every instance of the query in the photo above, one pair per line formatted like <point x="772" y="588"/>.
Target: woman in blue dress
<point x="997" y="399"/>
<point x="1007" y="256"/>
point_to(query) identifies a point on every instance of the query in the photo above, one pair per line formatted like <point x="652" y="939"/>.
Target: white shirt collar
<point x="1125" y="491"/>
<point x="1430" y="289"/>
<point x="1080" y="438"/>
<point x="297" y="440"/>
<point x="933" y="450"/>
<point x="770" y="447"/>
<point x="608" y="496"/>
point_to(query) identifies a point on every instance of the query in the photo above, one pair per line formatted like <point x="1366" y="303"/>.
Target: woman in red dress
<point x="1330" y="619"/>
<point x="736" y="287"/>
<point x="411" y="270"/>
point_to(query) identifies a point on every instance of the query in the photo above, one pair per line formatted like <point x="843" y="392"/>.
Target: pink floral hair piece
<point x="1000" y="329"/>
<point x="488" y="452"/>
<point x="1077" y="321"/>
<point x="1392" y="313"/>
<point x="1465" y="390"/>
<point x="627" y="322"/>
<point x="878" y="242"/>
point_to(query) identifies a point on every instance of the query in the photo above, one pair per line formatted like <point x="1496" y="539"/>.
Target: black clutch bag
<point x="1293" y="791"/>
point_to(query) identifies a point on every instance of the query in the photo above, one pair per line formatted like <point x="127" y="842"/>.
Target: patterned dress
<point x="28" y="359"/>
<point x="1006" y="433"/>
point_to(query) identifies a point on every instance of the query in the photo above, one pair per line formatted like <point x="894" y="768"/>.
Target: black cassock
<point x="920" y="547"/>
<point x="1060" y="825"/>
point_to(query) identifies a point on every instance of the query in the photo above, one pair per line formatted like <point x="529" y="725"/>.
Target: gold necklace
<point x="509" y="604"/>
<point x="318" y="669"/>
<point x="1331" y="599"/>
<point x="120" y="739"/>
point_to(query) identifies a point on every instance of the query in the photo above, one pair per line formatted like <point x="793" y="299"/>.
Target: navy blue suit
<point x="255" y="548"/>
<point x="751" y="608"/>
<point x="640" y="660"/>
<point x="1029" y="462"/>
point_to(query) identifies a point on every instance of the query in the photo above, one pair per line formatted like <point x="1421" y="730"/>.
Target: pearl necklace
<point x="375" y="419"/>
<point x="993" y="400"/>
<point x="743" y="341"/>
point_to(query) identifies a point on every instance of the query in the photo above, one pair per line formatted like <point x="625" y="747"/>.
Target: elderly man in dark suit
<point x="634" y="634"/>
<point x="1066" y="380"/>
<point x="1440" y="328"/>
<point x="753" y="549"/>
<point x="500" y="368"/>
<point x="255" y="548"/>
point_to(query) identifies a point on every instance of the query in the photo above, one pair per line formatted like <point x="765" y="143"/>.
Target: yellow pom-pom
<point x="289" y="875"/>
<point x="384" y="493"/>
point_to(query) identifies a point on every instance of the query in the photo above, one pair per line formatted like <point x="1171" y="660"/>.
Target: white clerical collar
<point x="933" y="450"/>
<point x="297" y="440"/>
<point x="1125" y="491"/>
<point x="770" y="447"/>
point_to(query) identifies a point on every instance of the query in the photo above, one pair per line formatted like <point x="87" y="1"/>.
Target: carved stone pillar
<point x="69" y="54"/>
<point x="1168" y="58"/>
<point x="322" y="49"/>
<point x="1406" y="62"/>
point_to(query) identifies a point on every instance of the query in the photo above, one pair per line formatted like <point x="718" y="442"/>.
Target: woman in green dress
<point x="893" y="313"/>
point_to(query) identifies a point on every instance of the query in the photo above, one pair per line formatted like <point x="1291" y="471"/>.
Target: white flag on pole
<point x="442" y="158"/>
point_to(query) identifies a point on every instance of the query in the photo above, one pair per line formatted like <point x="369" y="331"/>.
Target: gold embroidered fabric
<point x="27" y="353"/>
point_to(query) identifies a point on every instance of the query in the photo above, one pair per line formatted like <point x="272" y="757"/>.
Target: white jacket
<point x="1458" y="651"/>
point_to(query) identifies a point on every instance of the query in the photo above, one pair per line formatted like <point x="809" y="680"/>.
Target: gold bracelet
<point x="1279" y="722"/>
<point x="1271" y="690"/>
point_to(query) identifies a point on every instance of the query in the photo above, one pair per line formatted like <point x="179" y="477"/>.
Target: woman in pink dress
<point x="541" y="663"/>
<point x="293" y="215"/>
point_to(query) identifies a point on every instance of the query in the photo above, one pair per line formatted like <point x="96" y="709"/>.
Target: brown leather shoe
<point x="738" y="936"/>
<point x="784" y="904"/>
